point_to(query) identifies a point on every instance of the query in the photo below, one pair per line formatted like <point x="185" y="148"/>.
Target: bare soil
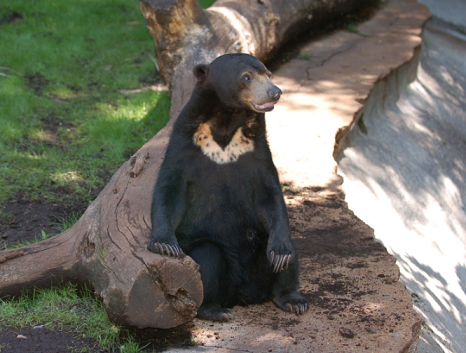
<point x="325" y="232"/>
<point x="23" y="219"/>
<point x="40" y="339"/>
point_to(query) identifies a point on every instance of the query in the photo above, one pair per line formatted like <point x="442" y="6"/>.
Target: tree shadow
<point x="423" y="280"/>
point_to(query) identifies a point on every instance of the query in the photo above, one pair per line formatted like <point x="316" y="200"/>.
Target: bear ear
<point x="201" y="71"/>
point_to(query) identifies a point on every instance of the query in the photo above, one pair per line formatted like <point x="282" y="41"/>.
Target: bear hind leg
<point x="214" y="278"/>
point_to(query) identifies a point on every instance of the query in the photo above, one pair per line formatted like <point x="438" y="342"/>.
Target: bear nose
<point x="275" y="93"/>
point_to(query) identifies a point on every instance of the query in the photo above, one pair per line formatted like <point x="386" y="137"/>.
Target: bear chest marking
<point x="238" y="145"/>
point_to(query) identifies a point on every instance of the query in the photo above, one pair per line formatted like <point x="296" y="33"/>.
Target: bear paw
<point x="173" y="250"/>
<point x="214" y="312"/>
<point x="293" y="303"/>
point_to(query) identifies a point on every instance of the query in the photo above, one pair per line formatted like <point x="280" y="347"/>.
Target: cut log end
<point x="165" y="294"/>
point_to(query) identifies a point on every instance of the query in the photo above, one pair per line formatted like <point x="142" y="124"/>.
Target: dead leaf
<point x="58" y="100"/>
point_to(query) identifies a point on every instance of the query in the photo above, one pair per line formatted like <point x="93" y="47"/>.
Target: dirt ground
<point x="40" y="339"/>
<point x="327" y="235"/>
<point x="27" y="218"/>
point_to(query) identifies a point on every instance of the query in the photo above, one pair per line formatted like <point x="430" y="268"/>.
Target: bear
<point x="218" y="197"/>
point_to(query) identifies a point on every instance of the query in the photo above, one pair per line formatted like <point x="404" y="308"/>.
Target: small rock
<point x="346" y="332"/>
<point x="22" y="337"/>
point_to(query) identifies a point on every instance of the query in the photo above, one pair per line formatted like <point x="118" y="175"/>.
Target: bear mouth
<point x="262" y="108"/>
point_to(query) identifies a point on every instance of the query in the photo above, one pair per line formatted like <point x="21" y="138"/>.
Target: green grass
<point x="65" y="124"/>
<point x="66" y="223"/>
<point x="205" y="3"/>
<point x="64" y="121"/>
<point x="66" y="309"/>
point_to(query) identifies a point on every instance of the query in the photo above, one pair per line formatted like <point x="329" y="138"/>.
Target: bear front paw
<point x="279" y="262"/>
<point x="173" y="250"/>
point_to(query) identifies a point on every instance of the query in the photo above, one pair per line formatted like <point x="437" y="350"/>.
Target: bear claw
<point x="228" y="316"/>
<point x="279" y="262"/>
<point x="214" y="312"/>
<point x="292" y="303"/>
<point x="166" y="249"/>
<point x="297" y="308"/>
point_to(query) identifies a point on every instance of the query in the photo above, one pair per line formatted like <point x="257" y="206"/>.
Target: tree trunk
<point x="106" y="248"/>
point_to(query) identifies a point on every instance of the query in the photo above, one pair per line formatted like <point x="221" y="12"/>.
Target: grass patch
<point x="205" y="3"/>
<point x="66" y="309"/>
<point x="65" y="125"/>
<point x="66" y="223"/>
<point x="64" y="121"/>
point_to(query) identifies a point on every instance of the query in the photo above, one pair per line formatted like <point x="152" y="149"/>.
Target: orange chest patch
<point x="238" y="145"/>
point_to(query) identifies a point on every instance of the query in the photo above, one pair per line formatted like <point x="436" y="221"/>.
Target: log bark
<point x="106" y="248"/>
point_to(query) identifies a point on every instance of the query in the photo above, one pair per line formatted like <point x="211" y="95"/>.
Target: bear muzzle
<point x="274" y="94"/>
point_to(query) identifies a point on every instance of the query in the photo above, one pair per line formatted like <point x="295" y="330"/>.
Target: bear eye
<point x="247" y="77"/>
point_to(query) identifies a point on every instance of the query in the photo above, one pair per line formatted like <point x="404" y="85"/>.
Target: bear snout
<point x="275" y="93"/>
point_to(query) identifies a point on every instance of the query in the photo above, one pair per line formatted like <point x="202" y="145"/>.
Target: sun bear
<point x="218" y="198"/>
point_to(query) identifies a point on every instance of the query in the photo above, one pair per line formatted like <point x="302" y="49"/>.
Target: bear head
<point x="240" y="81"/>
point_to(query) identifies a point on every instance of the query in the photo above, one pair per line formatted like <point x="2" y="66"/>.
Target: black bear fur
<point x="218" y="197"/>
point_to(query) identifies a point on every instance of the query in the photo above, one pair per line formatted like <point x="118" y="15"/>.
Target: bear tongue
<point x="266" y="107"/>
